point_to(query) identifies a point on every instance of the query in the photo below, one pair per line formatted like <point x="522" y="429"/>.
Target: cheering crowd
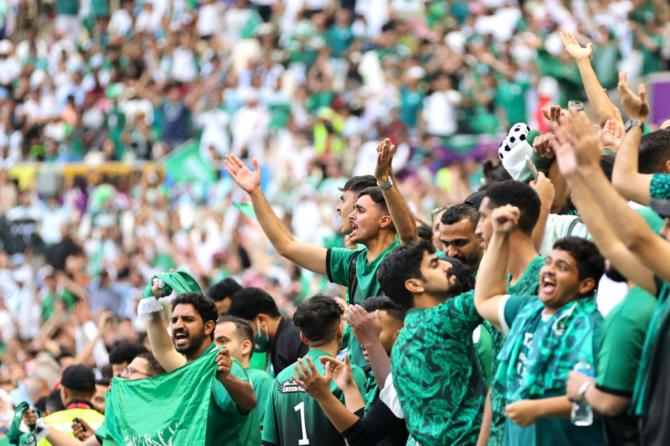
<point x="354" y="271"/>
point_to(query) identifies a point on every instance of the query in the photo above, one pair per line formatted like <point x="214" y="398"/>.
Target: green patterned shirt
<point x="439" y="384"/>
<point x="660" y="186"/>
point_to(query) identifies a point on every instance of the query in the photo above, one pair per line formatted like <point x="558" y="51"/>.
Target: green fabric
<point x="49" y="303"/>
<point x="655" y="221"/>
<point x="339" y="40"/>
<point x="484" y="350"/>
<point x="661" y="314"/>
<point x="553" y="432"/>
<point x="337" y="268"/>
<point x="259" y="361"/>
<point x="623" y="334"/>
<point x="227" y="423"/>
<point x="100" y="8"/>
<point x="67" y="7"/>
<point x="411" y="103"/>
<point x="186" y="165"/>
<point x="262" y="383"/>
<point x="178" y="281"/>
<point x="604" y="58"/>
<point x="539" y="354"/>
<point x="511" y="97"/>
<point x="371" y="390"/>
<point x="171" y="409"/>
<point x="528" y="284"/>
<point x="660" y="186"/>
<point x="292" y="417"/>
<point x="436" y="375"/>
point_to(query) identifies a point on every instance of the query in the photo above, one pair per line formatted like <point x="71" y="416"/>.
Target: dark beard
<point x="193" y="346"/>
<point x="465" y="280"/>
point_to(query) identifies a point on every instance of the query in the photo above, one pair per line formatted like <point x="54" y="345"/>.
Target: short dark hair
<point x="248" y="303"/>
<point x="475" y="198"/>
<point x="383" y="303"/>
<point x="424" y="231"/>
<point x="459" y="212"/>
<point x="125" y="351"/>
<point x="155" y="367"/>
<point x="223" y="289"/>
<point x="202" y="304"/>
<point x="517" y="194"/>
<point x="242" y="327"/>
<point x="654" y="151"/>
<point x="318" y="318"/>
<point x="376" y="195"/>
<point x="359" y="183"/>
<point x="590" y="262"/>
<point x="402" y="264"/>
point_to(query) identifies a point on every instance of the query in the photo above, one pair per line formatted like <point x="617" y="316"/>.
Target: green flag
<point x="169" y="409"/>
<point x="186" y="165"/>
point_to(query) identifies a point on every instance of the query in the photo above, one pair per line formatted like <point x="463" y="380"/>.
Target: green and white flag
<point x="166" y="410"/>
<point x="186" y="165"/>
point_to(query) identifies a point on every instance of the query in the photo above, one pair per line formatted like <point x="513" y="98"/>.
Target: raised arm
<point x="635" y="233"/>
<point x="367" y="332"/>
<point x="307" y="256"/>
<point x="596" y="94"/>
<point x="404" y="221"/>
<point x="545" y="190"/>
<point x="161" y="343"/>
<point x="626" y="178"/>
<point x="491" y="286"/>
<point x="241" y="392"/>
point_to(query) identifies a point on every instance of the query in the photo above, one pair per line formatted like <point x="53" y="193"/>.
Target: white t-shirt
<point x="389" y="396"/>
<point x="440" y="112"/>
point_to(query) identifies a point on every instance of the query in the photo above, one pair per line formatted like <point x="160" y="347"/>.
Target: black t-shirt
<point x="379" y="427"/>
<point x="622" y="430"/>
<point x="287" y="346"/>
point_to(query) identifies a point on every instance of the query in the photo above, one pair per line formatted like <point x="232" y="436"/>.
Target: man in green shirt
<point x="547" y="334"/>
<point x="522" y="268"/>
<point x="292" y="417"/>
<point x="232" y="419"/>
<point x="435" y="372"/>
<point x="380" y="221"/>
<point x="236" y="336"/>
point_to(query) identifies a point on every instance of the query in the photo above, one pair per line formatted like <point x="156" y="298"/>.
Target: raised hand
<point x="309" y="378"/>
<point x="30" y="418"/>
<point x="104" y="319"/>
<point x="385" y="152"/>
<point x="505" y="219"/>
<point x="542" y="145"/>
<point x="544" y="188"/>
<point x="636" y="107"/>
<point x="611" y="134"/>
<point x="364" y="324"/>
<point x="341" y="372"/>
<point x="249" y="180"/>
<point x="573" y="47"/>
<point x="81" y="429"/>
<point x="565" y="155"/>
<point x="223" y="362"/>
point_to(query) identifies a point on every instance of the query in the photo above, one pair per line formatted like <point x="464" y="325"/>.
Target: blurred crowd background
<point x="115" y="117"/>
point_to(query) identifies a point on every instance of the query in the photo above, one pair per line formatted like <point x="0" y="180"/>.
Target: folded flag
<point x="178" y="281"/>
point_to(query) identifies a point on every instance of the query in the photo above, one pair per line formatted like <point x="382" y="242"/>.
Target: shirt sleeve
<point x="509" y="309"/>
<point x="270" y="418"/>
<point x="337" y="265"/>
<point x="458" y="313"/>
<point x="660" y="186"/>
<point x="263" y="389"/>
<point x="378" y="423"/>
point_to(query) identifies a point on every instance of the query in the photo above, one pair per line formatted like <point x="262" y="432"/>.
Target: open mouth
<point x="547" y="285"/>
<point x="180" y="338"/>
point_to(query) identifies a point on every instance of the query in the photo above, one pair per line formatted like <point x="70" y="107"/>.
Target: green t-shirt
<point x="339" y="40"/>
<point x="338" y="261"/>
<point x="411" y="103"/>
<point x="292" y="417"/>
<point x="436" y="375"/>
<point x="527" y="284"/>
<point x="262" y="383"/>
<point x="67" y="7"/>
<point x="511" y="97"/>
<point x="620" y="350"/>
<point x="227" y="423"/>
<point x="660" y="186"/>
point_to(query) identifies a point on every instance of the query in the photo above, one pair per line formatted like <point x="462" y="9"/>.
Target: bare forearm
<point x="625" y="176"/>
<point x="487" y="418"/>
<point x="380" y="362"/>
<point x="341" y="417"/>
<point x="491" y="277"/>
<point x="606" y="403"/>
<point x="541" y="224"/>
<point x="240" y="391"/>
<point x="556" y="407"/>
<point x="353" y="398"/>
<point x="403" y="219"/>
<point x="602" y="106"/>
<point x="274" y="229"/>
<point x="161" y="343"/>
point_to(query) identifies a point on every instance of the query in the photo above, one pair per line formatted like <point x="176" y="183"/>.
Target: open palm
<point x="573" y="47"/>
<point x="248" y="179"/>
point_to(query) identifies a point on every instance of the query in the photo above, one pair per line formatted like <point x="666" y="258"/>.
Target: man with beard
<point x="457" y="234"/>
<point x="379" y="221"/>
<point x="232" y="419"/>
<point x="434" y="370"/>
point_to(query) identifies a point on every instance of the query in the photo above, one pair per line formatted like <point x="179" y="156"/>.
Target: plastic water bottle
<point x="582" y="414"/>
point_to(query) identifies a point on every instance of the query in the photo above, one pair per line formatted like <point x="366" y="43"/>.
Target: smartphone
<point x="531" y="166"/>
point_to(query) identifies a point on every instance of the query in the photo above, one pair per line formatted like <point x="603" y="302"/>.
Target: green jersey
<point x="262" y="383"/>
<point x="339" y="267"/>
<point x="528" y="284"/>
<point x="435" y="373"/>
<point x="292" y="417"/>
<point x="227" y="423"/>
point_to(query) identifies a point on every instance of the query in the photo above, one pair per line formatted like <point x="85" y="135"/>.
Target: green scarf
<point x="568" y="336"/>
<point x="178" y="281"/>
<point x="660" y="318"/>
<point x="30" y="438"/>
